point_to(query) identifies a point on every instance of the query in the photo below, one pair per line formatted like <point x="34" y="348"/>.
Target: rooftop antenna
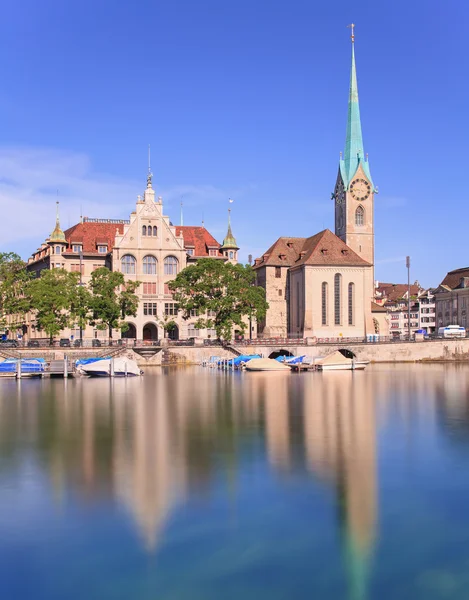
<point x="182" y="216"/>
<point x="203" y="222"/>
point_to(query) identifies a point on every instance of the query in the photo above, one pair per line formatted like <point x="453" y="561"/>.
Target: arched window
<point x="170" y="265"/>
<point x="128" y="264"/>
<point x="149" y="230"/>
<point x="144" y="230"/>
<point x="149" y="265"/>
<point x="57" y="249"/>
<point x="360" y="216"/>
<point x="155" y="231"/>
<point x="351" y="302"/>
<point x="324" y="303"/>
<point x="231" y="254"/>
<point x="337" y="293"/>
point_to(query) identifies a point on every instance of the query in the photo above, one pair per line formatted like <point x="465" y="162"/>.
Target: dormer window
<point x="213" y="252"/>
<point x="102" y="249"/>
<point x="190" y="251"/>
<point x="323" y="250"/>
<point x="344" y="251"/>
<point x="77" y="248"/>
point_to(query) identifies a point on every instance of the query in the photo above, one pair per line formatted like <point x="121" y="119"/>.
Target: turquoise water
<point x="197" y="484"/>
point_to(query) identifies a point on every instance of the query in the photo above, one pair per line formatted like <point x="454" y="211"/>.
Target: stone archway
<point x="281" y="352"/>
<point x="173" y="334"/>
<point x="131" y="333"/>
<point x="150" y="332"/>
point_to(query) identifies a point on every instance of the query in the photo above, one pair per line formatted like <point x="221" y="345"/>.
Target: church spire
<point x="230" y="241"/>
<point x="353" y="152"/>
<point x="57" y="235"/>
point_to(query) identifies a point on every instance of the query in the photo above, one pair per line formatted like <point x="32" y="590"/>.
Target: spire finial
<point x="57" y="211"/>
<point x="150" y="174"/>
<point x="352" y="35"/>
<point x="182" y="216"/>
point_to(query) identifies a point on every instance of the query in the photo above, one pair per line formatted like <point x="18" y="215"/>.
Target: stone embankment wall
<point x="437" y="350"/>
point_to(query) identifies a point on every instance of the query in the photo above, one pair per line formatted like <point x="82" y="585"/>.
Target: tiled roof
<point x="324" y="248"/>
<point x="92" y="234"/>
<point x="377" y="308"/>
<point x="453" y="278"/>
<point x="199" y="239"/>
<point x="390" y="292"/>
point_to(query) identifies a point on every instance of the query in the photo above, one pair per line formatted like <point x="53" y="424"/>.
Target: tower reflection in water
<point x="149" y="443"/>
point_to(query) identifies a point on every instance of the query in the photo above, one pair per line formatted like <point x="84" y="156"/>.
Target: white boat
<point x="122" y="367"/>
<point x="266" y="364"/>
<point x="340" y="360"/>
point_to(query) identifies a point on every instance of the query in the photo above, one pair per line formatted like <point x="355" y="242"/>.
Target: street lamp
<point x="407" y="264"/>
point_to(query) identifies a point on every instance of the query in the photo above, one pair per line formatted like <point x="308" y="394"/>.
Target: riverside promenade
<point x="190" y="352"/>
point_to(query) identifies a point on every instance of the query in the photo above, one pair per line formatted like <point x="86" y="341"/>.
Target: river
<point x="192" y="483"/>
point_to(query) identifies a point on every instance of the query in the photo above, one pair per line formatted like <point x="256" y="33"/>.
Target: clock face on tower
<point x="360" y="189"/>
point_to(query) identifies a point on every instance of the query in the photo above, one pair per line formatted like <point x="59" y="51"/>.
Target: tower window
<point x="144" y="230"/>
<point x="231" y="254"/>
<point x="278" y="272"/>
<point x="337" y="292"/>
<point x="155" y="231"/>
<point x="149" y="230"/>
<point x="57" y="249"/>
<point x="360" y="216"/>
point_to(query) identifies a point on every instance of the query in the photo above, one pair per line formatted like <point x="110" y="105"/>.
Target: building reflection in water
<point x="149" y="443"/>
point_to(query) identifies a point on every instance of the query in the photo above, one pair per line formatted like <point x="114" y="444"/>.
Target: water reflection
<point x="150" y="444"/>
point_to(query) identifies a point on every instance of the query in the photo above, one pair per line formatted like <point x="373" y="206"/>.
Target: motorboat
<point x="265" y="364"/>
<point x="340" y="360"/>
<point x="111" y="367"/>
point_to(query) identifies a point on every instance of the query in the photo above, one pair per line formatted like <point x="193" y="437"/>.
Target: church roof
<point x="324" y="248"/>
<point x="198" y="238"/>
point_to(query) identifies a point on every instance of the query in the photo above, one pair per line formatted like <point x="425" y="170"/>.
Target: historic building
<point x="323" y="285"/>
<point x="452" y="299"/>
<point x="146" y="248"/>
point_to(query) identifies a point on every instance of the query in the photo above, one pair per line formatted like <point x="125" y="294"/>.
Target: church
<point x="323" y="286"/>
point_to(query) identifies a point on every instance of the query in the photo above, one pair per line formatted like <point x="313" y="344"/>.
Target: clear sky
<point x="244" y="99"/>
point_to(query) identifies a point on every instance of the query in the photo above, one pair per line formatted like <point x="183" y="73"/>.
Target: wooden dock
<point x="53" y="368"/>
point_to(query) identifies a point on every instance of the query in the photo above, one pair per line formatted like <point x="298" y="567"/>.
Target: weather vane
<point x="352" y="36"/>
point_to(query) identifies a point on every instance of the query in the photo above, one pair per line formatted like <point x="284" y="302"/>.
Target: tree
<point x="167" y="323"/>
<point x="15" y="299"/>
<point x="224" y="290"/>
<point x="112" y="299"/>
<point x="52" y="296"/>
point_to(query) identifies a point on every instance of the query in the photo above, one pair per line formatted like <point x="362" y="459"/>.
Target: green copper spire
<point x="229" y="241"/>
<point x="57" y="235"/>
<point x="354" y="153"/>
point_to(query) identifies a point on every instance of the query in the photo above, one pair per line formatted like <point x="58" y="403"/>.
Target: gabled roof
<point x="199" y="239"/>
<point x="93" y="234"/>
<point x="324" y="248"/>
<point x="390" y="292"/>
<point x="453" y="278"/>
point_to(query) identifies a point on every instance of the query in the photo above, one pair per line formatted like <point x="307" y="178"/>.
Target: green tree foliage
<point x="112" y="299"/>
<point x="15" y="300"/>
<point x="52" y="296"/>
<point x="226" y="290"/>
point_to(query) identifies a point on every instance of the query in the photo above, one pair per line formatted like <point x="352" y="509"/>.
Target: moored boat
<point x="266" y="364"/>
<point x="111" y="367"/>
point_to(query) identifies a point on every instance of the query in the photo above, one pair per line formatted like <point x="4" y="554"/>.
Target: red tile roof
<point x="390" y="292"/>
<point x="324" y="248"/>
<point x="199" y="239"/>
<point x="92" y="234"/>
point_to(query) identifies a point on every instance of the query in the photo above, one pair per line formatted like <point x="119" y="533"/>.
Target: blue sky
<point x="244" y="99"/>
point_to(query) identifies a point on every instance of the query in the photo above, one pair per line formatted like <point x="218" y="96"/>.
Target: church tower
<point x="229" y="246"/>
<point x="354" y="190"/>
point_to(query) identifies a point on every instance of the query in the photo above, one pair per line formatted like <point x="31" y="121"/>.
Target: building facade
<point x="147" y="248"/>
<point x="452" y="299"/>
<point x="323" y="285"/>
